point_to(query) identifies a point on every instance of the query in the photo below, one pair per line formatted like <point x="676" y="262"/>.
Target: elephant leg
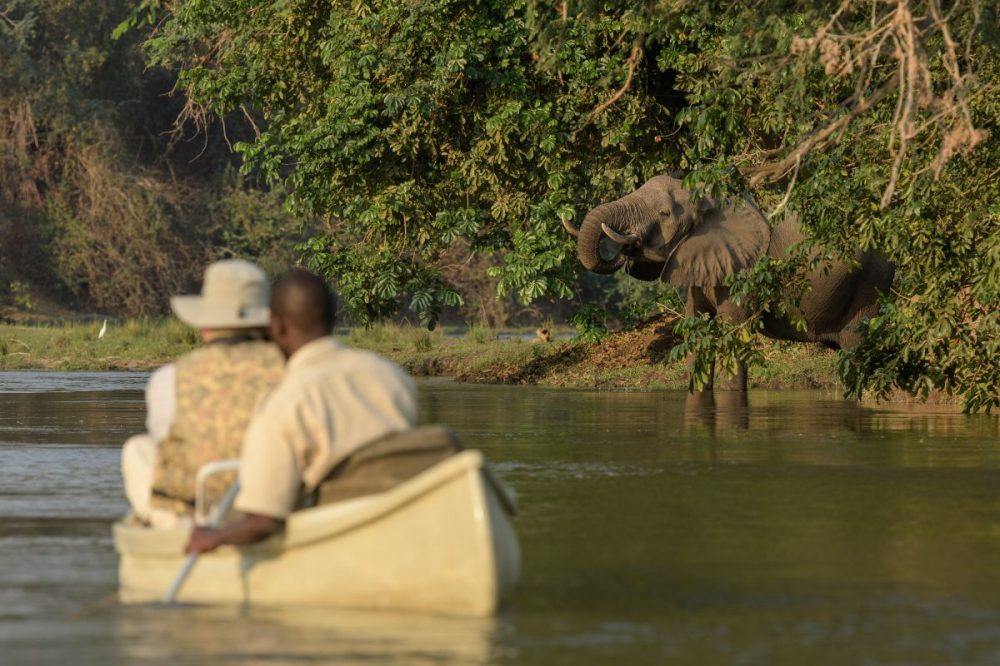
<point x="736" y="315"/>
<point x="696" y="304"/>
<point x="710" y="385"/>
<point x="876" y="279"/>
<point x="737" y="382"/>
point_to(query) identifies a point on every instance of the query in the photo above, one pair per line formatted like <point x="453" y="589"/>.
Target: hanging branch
<point x="633" y="61"/>
<point x="893" y="46"/>
<point x="772" y="171"/>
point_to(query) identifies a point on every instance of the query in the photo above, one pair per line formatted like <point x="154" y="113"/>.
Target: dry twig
<point x="891" y="52"/>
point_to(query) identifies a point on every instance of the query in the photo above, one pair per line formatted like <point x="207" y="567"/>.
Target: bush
<point x="590" y="322"/>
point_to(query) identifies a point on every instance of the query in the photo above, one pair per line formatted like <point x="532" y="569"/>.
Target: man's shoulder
<point x="345" y="362"/>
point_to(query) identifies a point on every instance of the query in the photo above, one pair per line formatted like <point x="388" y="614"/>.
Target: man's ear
<point x="276" y="327"/>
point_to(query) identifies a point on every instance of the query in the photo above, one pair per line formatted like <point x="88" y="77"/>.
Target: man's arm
<point x="252" y="528"/>
<point x="269" y="483"/>
<point x="160" y="399"/>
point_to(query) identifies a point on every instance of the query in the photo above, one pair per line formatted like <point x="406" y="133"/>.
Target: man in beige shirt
<point x="331" y="401"/>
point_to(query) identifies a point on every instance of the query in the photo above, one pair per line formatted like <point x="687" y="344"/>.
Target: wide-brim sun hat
<point x="235" y="294"/>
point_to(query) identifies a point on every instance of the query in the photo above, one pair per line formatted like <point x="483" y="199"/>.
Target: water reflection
<point x="722" y="410"/>
<point x="41" y="381"/>
<point x="267" y="636"/>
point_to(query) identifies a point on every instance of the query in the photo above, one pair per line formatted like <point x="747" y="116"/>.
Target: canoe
<point x="440" y="542"/>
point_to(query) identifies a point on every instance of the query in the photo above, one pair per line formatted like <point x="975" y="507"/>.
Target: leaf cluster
<point x="98" y="209"/>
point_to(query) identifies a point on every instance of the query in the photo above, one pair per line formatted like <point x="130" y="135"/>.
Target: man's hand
<point x="203" y="540"/>
<point x="250" y="529"/>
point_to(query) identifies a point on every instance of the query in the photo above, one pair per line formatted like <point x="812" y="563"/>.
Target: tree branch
<point x="772" y="171"/>
<point x="633" y="62"/>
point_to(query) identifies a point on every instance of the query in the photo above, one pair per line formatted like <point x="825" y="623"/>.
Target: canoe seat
<point x="387" y="462"/>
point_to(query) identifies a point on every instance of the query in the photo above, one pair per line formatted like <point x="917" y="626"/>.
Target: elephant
<point x="660" y="231"/>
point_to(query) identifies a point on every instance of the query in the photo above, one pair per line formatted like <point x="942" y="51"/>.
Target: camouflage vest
<point x="217" y="388"/>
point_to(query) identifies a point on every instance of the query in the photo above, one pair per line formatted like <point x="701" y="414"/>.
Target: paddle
<point x="217" y="515"/>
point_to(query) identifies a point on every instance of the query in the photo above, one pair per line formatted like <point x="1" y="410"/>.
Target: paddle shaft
<point x="217" y="515"/>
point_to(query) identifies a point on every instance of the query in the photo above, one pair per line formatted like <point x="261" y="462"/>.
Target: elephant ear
<point x="725" y="242"/>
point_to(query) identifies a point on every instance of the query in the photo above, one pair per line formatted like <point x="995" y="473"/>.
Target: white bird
<point x="104" y="329"/>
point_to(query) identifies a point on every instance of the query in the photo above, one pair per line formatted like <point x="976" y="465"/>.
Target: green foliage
<point x="481" y="335"/>
<point x="633" y="314"/>
<point x="637" y="301"/>
<point x="717" y="345"/>
<point x="56" y="62"/>
<point x="911" y="174"/>
<point x="98" y="205"/>
<point x="248" y="221"/>
<point x="423" y="341"/>
<point x="590" y="322"/>
<point x="22" y="295"/>
<point x="775" y="286"/>
<point x="407" y="127"/>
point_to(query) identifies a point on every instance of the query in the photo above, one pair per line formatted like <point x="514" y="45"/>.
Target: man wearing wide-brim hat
<point x="198" y="407"/>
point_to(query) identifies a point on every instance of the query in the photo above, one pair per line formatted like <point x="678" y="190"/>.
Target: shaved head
<point x="302" y="309"/>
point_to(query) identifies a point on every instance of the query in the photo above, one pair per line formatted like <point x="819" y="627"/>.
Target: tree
<point x="411" y="125"/>
<point x="876" y="122"/>
<point x="96" y="203"/>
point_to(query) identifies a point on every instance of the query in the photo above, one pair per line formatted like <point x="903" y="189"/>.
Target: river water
<point x="798" y="528"/>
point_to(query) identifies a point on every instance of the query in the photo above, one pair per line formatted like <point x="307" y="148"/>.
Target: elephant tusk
<point x="631" y="239"/>
<point x="573" y="231"/>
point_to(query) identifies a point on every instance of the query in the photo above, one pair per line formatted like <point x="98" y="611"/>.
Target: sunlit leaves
<point x="716" y="344"/>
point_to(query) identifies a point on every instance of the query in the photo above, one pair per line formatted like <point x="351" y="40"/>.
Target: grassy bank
<point x="631" y="359"/>
<point x="628" y="359"/>
<point x="131" y="345"/>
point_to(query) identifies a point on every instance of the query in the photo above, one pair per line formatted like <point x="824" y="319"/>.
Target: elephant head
<point x="661" y="231"/>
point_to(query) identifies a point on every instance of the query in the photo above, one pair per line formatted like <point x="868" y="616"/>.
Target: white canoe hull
<point x="441" y="542"/>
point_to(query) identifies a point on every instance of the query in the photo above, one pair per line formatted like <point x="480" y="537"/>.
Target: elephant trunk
<point x="588" y="243"/>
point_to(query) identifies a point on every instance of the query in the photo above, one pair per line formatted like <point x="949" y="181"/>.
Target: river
<point x="796" y="529"/>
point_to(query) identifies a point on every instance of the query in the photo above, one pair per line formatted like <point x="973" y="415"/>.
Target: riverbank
<point x="139" y="344"/>
<point x="627" y="359"/>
